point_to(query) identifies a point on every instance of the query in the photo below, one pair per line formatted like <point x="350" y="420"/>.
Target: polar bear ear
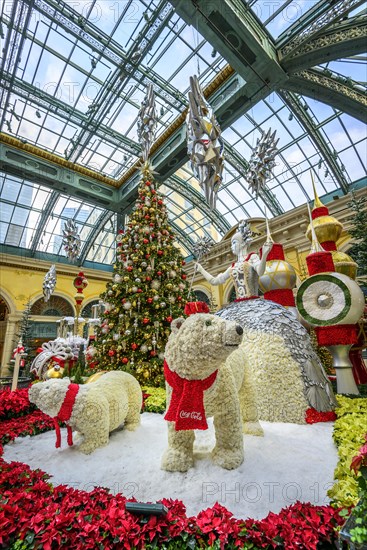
<point x="176" y="324"/>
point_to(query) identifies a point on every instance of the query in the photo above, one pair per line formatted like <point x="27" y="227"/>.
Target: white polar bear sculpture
<point x="200" y="383"/>
<point x="94" y="410"/>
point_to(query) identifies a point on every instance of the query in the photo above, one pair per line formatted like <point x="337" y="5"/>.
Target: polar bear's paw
<point x="176" y="461"/>
<point x="228" y="458"/>
<point x="131" y="426"/>
<point x="252" y="428"/>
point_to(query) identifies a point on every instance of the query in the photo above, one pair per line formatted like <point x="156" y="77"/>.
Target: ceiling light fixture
<point x="290" y="116"/>
<point x="38" y="114"/>
<point x="214" y="52"/>
<point x="162" y="111"/>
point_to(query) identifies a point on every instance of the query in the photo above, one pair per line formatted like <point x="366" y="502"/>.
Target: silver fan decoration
<point x="147" y="123"/>
<point x="204" y="144"/>
<point x="71" y="240"/>
<point x="49" y="283"/>
<point x="202" y="247"/>
<point x="262" y="161"/>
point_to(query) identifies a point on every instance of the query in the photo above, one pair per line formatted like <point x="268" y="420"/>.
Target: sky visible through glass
<point x="60" y="100"/>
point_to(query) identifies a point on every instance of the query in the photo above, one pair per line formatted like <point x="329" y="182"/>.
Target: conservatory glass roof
<point x="74" y="74"/>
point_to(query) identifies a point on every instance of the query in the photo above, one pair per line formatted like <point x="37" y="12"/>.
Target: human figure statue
<point x="277" y="346"/>
<point x="246" y="271"/>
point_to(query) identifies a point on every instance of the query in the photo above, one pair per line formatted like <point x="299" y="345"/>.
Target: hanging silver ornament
<point x="204" y="143"/>
<point x="71" y="240"/>
<point x="147" y="123"/>
<point x="49" y="283"/>
<point x="262" y="161"/>
<point x="202" y="247"/>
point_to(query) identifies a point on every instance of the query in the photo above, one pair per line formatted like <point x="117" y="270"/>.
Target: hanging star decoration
<point x="147" y="124"/>
<point x="71" y="240"/>
<point x="204" y="143"/>
<point x="49" y="283"/>
<point x="262" y="162"/>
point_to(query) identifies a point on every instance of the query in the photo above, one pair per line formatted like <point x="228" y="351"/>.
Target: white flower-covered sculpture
<point x="200" y="383"/>
<point x="94" y="410"/>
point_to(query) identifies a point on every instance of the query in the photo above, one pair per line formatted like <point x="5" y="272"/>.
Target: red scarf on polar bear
<point x="186" y="407"/>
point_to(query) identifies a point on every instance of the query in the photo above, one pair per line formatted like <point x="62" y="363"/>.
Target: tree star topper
<point x="204" y="144"/>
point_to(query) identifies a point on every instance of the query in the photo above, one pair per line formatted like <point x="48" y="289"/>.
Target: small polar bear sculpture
<point x="201" y="383"/>
<point x="94" y="409"/>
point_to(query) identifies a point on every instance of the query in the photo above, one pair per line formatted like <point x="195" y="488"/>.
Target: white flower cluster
<point x="274" y="380"/>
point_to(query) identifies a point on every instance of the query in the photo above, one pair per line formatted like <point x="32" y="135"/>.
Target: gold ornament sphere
<point x="327" y="228"/>
<point x="344" y="264"/>
<point x="55" y="372"/>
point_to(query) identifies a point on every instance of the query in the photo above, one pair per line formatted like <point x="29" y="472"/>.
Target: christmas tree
<point x="148" y="288"/>
<point x="358" y="231"/>
<point x="24" y="335"/>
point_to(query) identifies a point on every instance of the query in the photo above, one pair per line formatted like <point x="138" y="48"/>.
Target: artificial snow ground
<point x="289" y="463"/>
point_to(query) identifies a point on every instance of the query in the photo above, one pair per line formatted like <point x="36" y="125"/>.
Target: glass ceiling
<point x="75" y="74"/>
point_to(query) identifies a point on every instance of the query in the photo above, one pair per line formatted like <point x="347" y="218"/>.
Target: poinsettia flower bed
<point x="34" y="514"/>
<point x="14" y="403"/>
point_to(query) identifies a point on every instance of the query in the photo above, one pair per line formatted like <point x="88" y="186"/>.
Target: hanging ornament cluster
<point x="71" y="240"/>
<point x="262" y="161"/>
<point x="147" y="123"/>
<point x="204" y="144"/>
<point x="49" y="283"/>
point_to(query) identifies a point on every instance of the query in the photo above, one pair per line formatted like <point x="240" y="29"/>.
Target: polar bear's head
<point x="198" y="345"/>
<point x="48" y="396"/>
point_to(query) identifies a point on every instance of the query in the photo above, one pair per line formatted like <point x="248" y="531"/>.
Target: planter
<point x="6" y="381"/>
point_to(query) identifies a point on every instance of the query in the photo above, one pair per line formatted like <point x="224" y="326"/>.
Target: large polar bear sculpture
<point x="93" y="410"/>
<point x="202" y="382"/>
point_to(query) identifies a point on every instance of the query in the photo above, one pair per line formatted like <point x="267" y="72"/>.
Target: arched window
<point x="202" y="297"/>
<point x="87" y="310"/>
<point x="55" y="307"/>
<point x="4" y="310"/>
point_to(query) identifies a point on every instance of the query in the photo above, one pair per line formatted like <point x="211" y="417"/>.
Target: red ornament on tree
<point x="159" y="273"/>
<point x="125" y="360"/>
<point x="134" y="346"/>
<point x="169" y="319"/>
<point x="160" y="202"/>
<point x="111" y="353"/>
<point x="153" y="353"/>
<point x="160" y="252"/>
<point x="145" y="241"/>
<point x="147" y="217"/>
<point x="149" y="300"/>
<point x="129" y="268"/>
<point x="147" y="256"/>
<point x="183" y="276"/>
<point x="145" y="320"/>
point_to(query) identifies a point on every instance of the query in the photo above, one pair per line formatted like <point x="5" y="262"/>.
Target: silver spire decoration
<point x="49" y="283"/>
<point x="204" y="144"/>
<point x="262" y="161"/>
<point x="71" y="240"/>
<point x="147" y="123"/>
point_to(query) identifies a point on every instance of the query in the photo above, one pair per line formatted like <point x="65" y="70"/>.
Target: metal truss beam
<point x="98" y="227"/>
<point x="342" y="40"/>
<point x="117" y="82"/>
<point x="330" y="90"/>
<point x="59" y="108"/>
<point x="12" y="51"/>
<point x="316" y="20"/>
<point x="63" y="15"/>
<point x="231" y="28"/>
<point x="321" y="145"/>
<point x="46" y="212"/>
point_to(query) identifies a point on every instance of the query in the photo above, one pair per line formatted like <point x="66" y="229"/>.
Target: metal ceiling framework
<point x="261" y="65"/>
